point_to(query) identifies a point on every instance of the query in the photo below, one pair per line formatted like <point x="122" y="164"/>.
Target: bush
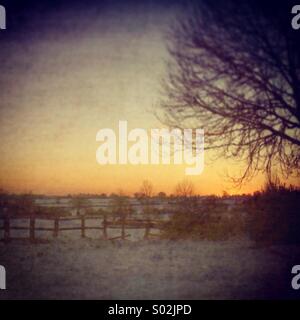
<point x="274" y="215"/>
<point x="209" y="222"/>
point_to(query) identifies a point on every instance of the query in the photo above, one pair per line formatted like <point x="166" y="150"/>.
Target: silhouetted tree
<point x="186" y="200"/>
<point x="161" y="195"/>
<point x="185" y="189"/>
<point x="146" y="189"/>
<point x="235" y="71"/>
<point x="146" y="193"/>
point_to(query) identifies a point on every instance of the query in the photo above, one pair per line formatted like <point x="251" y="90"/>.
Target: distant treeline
<point x="269" y="216"/>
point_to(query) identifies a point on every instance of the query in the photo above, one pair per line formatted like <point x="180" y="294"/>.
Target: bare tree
<point x="146" y="193"/>
<point x="146" y="189"/>
<point x="161" y="195"/>
<point x="235" y="71"/>
<point x="185" y="189"/>
<point x="186" y="200"/>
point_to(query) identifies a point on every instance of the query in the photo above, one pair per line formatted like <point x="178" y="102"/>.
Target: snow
<point x="157" y="269"/>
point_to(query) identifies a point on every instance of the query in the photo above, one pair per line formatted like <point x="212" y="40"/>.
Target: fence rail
<point x="122" y="224"/>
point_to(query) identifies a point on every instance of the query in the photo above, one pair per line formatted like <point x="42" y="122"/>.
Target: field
<point x="73" y="265"/>
<point x="97" y="269"/>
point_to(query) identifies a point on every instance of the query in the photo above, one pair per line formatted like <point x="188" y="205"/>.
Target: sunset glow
<point x="60" y="85"/>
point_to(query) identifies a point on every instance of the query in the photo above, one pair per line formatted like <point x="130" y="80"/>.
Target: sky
<point x="69" y="69"/>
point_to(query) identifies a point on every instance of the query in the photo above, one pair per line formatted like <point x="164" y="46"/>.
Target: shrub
<point x="274" y="215"/>
<point x="210" y="221"/>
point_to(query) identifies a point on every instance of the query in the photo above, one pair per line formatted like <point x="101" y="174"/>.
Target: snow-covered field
<point x="97" y="269"/>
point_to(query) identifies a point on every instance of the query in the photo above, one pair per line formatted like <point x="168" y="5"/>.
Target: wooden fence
<point x="103" y="226"/>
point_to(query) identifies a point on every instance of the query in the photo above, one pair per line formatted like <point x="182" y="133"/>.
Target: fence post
<point x="123" y="227"/>
<point x="6" y="228"/>
<point x="147" y="230"/>
<point x="82" y="227"/>
<point x="56" y="221"/>
<point x="104" y="227"/>
<point x="32" y="228"/>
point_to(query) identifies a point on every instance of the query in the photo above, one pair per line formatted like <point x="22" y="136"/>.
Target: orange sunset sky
<point x="63" y="79"/>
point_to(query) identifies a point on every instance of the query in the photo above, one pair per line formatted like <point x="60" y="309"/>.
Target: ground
<point x="97" y="269"/>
